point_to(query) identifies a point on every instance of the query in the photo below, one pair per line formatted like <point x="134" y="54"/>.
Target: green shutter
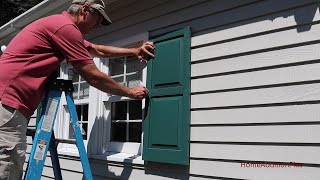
<point x="166" y="125"/>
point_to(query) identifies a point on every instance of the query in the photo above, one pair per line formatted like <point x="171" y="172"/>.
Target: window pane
<point x="82" y="79"/>
<point x="71" y="135"/>
<point x="84" y="91"/>
<point x="85" y="112"/>
<point x="135" y="110"/>
<point x="119" y="110"/>
<point x="119" y="80"/>
<point x="79" y="113"/>
<point x="75" y="91"/>
<point x="73" y="75"/>
<point x="135" y="131"/>
<point x="134" y="80"/>
<point x="134" y="65"/>
<point x="84" y="130"/>
<point x="116" y="66"/>
<point x="82" y="113"/>
<point x="118" y="132"/>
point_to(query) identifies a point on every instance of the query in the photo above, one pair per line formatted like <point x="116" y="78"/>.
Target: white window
<point x="126" y="116"/>
<point x="122" y="128"/>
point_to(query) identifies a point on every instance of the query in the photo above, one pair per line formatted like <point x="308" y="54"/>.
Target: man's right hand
<point x="139" y="92"/>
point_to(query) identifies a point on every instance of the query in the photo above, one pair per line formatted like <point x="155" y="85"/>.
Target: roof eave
<point x="40" y="10"/>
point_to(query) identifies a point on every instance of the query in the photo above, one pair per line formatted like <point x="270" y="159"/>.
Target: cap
<point x="97" y="5"/>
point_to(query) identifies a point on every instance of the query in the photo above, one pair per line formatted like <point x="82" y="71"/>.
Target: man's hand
<point x="143" y="53"/>
<point x="139" y="92"/>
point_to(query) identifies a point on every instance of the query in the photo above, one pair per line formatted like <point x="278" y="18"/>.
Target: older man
<point x="34" y="54"/>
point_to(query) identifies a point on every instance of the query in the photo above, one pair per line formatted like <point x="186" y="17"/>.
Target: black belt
<point x="10" y="109"/>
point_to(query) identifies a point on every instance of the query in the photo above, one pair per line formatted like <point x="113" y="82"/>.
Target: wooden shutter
<point x="166" y="125"/>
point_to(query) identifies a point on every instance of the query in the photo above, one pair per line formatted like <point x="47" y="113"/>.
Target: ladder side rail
<point x="78" y="136"/>
<point x="43" y="135"/>
<point x="54" y="158"/>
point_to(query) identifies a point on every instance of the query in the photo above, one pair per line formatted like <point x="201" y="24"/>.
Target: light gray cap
<point x="99" y="5"/>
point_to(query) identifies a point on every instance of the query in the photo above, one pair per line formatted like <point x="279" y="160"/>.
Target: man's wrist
<point x="130" y="93"/>
<point x="134" y="51"/>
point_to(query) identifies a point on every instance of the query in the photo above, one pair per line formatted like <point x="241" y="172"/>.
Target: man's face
<point x="91" y="19"/>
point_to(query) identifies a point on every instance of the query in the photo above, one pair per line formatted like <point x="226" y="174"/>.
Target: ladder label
<point x="49" y="115"/>
<point x="40" y="150"/>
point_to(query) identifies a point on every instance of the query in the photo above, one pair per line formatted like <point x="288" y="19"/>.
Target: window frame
<point x="111" y="150"/>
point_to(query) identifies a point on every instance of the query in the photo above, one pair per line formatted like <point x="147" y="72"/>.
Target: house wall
<point x="255" y="98"/>
<point x="255" y="93"/>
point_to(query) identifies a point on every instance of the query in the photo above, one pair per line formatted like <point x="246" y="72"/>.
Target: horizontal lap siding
<point x="255" y="92"/>
<point x="262" y="96"/>
<point x="254" y="62"/>
<point x="263" y="42"/>
<point x="160" y="17"/>
<point x="259" y="78"/>
<point x="264" y="20"/>
<point x="233" y="170"/>
<point x="272" y="114"/>
<point x="258" y="133"/>
<point x="251" y="152"/>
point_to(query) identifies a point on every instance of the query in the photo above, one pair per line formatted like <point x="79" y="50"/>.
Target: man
<point x="34" y="54"/>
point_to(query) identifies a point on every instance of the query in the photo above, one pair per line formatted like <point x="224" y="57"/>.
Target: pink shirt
<point x="34" y="54"/>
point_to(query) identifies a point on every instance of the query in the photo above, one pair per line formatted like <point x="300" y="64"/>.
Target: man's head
<point x="89" y="14"/>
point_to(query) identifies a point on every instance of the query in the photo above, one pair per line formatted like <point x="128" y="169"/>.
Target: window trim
<point x="110" y="146"/>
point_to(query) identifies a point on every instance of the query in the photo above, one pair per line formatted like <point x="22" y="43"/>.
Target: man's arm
<point x="104" y="83"/>
<point x="110" y="51"/>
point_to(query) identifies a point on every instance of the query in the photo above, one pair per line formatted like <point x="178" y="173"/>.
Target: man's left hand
<point x="144" y="52"/>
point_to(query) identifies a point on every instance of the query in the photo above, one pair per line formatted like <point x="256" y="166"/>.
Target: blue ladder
<point x="43" y="140"/>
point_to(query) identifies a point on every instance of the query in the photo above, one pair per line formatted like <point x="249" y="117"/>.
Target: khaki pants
<point x="13" y="128"/>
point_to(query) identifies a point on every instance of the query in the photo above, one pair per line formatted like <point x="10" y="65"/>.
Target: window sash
<point x="105" y="145"/>
<point x="126" y="75"/>
<point x="127" y="120"/>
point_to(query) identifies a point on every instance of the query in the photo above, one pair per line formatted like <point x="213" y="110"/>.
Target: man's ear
<point x="86" y="9"/>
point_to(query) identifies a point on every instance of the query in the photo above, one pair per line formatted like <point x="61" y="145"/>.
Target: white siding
<point x="255" y="93"/>
<point x="234" y="170"/>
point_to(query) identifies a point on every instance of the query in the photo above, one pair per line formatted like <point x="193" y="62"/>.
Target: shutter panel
<point x="166" y="125"/>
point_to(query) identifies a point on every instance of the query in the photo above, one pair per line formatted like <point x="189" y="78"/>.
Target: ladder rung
<point x="31" y="131"/>
<point x="70" y="141"/>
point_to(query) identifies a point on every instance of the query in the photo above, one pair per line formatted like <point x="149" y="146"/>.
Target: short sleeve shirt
<point x="34" y="54"/>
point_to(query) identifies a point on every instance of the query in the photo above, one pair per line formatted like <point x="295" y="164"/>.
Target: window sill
<point x="120" y="157"/>
<point x="114" y="98"/>
<point x="69" y="150"/>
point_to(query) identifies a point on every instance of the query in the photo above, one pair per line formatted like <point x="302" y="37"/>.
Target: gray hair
<point x="74" y="9"/>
